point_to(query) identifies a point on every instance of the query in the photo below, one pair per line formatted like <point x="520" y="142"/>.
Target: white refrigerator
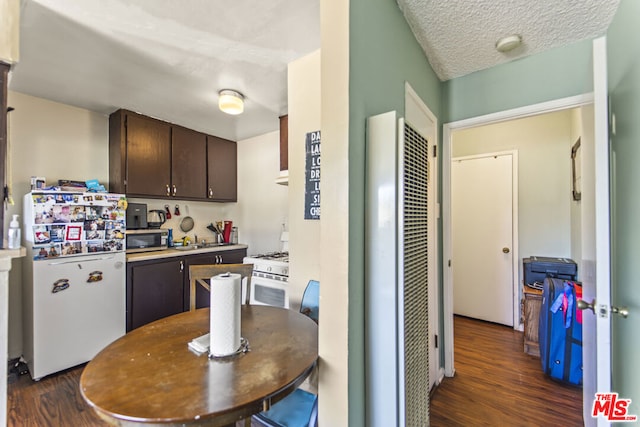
<point x="73" y="279"/>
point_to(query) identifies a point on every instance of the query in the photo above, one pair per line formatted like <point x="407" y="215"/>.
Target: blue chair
<point x="310" y="305"/>
<point x="300" y="408"/>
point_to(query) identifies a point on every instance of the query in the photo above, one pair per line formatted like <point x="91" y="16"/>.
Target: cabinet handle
<point x="168" y="191"/>
<point x="210" y="193"/>
<point x="181" y="266"/>
<point x="174" y="190"/>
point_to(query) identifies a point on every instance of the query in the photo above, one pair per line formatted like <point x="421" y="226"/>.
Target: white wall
<point x="544" y="147"/>
<point x="263" y="206"/>
<point x="304" y="117"/>
<point x="9" y="30"/>
<point x="56" y="141"/>
<point x="337" y="394"/>
<point x="575" y="207"/>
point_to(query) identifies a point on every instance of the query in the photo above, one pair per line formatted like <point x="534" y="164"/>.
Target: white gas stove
<point x="276" y="263"/>
<point x="269" y="283"/>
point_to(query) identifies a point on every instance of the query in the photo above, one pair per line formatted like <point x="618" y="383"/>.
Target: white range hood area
<point x="283" y="178"/>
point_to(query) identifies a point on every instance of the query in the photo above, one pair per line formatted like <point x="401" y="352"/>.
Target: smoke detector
<point x="508" y="43"/>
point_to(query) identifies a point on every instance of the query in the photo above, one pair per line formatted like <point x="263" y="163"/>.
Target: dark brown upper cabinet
<point x="148" y="156"/>
<point x="222" y="169"/>
<point x="284" y="143"/>
<point x="188" y="164"/>
<point x="156" y="159"/>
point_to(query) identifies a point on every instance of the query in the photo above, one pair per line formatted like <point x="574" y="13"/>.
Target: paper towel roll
<point x="224" y="326"/>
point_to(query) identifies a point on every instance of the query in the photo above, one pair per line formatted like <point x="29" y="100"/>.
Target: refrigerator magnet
<point x="69" y="248"/>
<point x="41" y="234"/>
<point x="74" y="232"/>
<point x="54" y="251"/>
<point x="57" y="233"/>
<point x="41" y="254"/>
<point x="60" y="285"/>
<point x="96" y="246"/>
<point x="95" y="276"/>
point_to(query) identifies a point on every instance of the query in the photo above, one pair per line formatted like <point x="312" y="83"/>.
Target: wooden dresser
<point x="532" y="302"/>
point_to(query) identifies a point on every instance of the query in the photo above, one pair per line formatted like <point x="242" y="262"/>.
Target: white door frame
<point x="425" y="122"/>
<point x="448" y="129"/>
<point x="515" y="309"/>
<point x="602" y="225"/>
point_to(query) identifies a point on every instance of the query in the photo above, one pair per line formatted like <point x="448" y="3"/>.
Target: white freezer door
<point x="79" y="308"/>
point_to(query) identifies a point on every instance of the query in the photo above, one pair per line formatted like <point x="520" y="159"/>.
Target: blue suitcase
<point x="560" y="330"/>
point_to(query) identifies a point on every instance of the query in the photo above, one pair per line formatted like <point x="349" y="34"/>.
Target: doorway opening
<point x="448" y="146"/>
<point x="530" y="245"/>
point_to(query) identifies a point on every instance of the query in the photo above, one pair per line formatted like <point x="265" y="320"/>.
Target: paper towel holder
<point x="244" y="348"/>
<point x="244" y="343"/>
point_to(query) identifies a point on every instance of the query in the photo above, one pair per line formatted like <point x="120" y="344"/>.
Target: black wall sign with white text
<point x="312" y="177"/>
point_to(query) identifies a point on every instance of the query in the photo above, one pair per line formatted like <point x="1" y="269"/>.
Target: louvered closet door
<point x="414" y="269"/>
<point x="396" y="294"/>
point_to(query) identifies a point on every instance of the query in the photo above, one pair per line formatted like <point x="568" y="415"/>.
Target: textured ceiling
<point x="168" y="59"/>
<point x="459" y="36"/>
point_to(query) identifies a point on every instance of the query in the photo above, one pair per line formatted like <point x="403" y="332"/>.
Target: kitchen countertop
<point x="173" y="252"/>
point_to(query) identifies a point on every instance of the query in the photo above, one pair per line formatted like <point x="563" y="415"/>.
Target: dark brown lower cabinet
<point x="160" y="288"/>
<point x="155" y="291"/>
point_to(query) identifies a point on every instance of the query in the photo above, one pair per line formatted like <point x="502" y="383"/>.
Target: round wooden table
<point x="150" y="377"/>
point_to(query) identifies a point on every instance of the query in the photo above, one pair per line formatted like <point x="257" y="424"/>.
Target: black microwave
<point x="146" y="240"/>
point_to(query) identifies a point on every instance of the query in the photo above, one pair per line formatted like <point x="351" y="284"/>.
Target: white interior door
<point x="482" y="234"/>
<point x="596" y="250"/>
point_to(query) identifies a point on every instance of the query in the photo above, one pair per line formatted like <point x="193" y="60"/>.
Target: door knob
<point x="583" y="305"/>
<point x="506" y="250"/>
<point x="622" y="311"/>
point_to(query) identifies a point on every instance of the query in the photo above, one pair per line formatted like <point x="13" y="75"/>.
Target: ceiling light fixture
<point x="508" y="43"/>
<point x="231" y="101"/>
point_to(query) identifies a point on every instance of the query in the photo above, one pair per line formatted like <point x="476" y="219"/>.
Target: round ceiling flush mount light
<point x="230" y="101"/>
<point x="508" y="43"/>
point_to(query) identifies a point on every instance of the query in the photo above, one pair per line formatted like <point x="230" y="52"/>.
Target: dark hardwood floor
<point x="497" y="384"/>
<point x="54" y="401"/>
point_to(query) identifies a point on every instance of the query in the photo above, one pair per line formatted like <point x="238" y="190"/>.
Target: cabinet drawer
<point x="221" y="257"/>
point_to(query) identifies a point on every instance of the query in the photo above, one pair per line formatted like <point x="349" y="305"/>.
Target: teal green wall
<point x="554" y="74"/>
<point x="383" y="55"/>
<point x="623" y="52"/>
